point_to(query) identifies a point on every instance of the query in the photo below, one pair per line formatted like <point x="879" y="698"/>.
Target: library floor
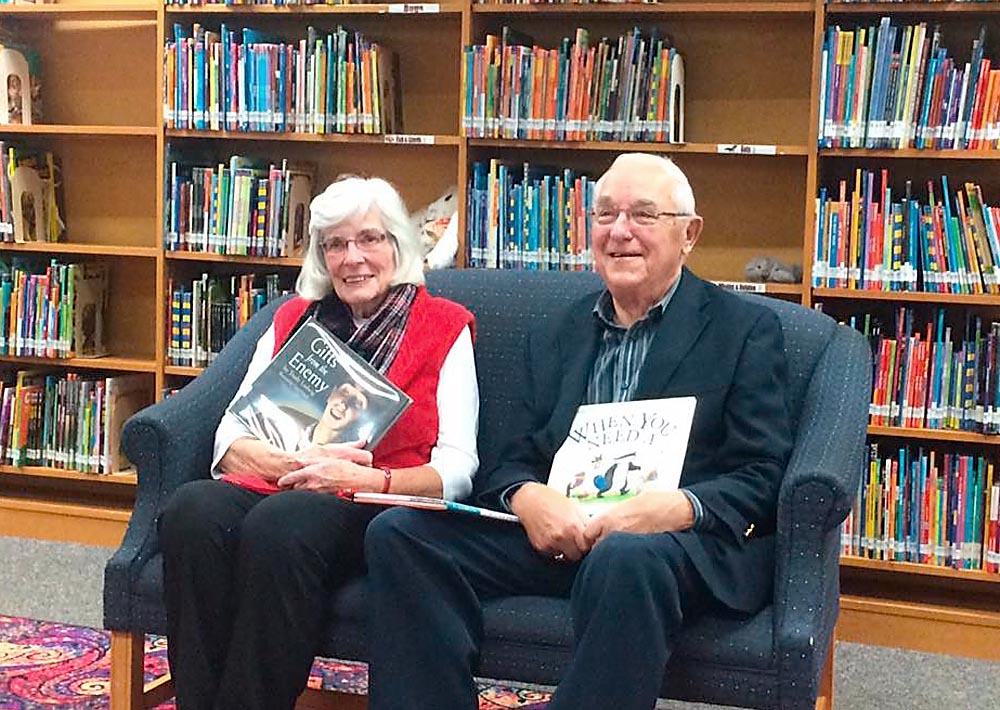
<point x="62" y="582"/>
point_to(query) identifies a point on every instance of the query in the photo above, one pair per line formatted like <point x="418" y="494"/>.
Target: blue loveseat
<point x="775" y="659"/>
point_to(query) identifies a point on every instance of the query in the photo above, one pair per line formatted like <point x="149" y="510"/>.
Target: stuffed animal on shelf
<point x="769" y="269"/>
<point x="437" y="225"/>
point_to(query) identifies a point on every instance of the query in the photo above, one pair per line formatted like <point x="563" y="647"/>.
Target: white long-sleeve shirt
<point x="454" y="456"/>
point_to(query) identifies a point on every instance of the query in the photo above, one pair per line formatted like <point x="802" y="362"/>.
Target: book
<point x="124" y="395"/>
<point x="90" y="282"/>
<point x="15" y="75"/>
<point x="33" y="188"/>
<point x="617" y="450"/>
<point x="427" y="503"/>
<point x="317" y="391"/>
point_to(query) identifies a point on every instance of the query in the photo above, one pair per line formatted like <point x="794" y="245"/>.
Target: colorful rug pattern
<point x="45" y="665"/>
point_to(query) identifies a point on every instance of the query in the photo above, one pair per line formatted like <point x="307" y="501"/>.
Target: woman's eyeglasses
<point x="368" y="241"/>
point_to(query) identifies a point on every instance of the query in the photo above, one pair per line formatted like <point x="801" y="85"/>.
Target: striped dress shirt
<point x="620" y="356"/>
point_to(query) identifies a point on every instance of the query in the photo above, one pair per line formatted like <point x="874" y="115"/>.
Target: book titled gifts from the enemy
<point x="617" y="450"/>
<point x="316" y="390"/>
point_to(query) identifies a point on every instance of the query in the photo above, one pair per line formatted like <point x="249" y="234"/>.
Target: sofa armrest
<point x="171" y="443"/>
<point x="816" y="494"/>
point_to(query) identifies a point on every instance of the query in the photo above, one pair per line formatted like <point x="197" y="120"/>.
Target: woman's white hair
<point x="347" y="198"/>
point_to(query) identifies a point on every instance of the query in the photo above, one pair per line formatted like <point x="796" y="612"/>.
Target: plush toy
<point x="437" y="225"/>
<point x="769" y="269"/>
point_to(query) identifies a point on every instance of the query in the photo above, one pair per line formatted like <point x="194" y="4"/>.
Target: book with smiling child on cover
<point x="316" y="391"/>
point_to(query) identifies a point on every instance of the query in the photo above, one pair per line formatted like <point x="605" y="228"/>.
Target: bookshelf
<point x="108" y="126"/>
<point x="102" y="123"/>
<point x="918" y="606"/>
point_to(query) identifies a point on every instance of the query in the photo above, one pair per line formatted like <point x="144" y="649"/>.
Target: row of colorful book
<point x="31" y="206"/>
<point x="927" y="507"/>
<point x="207" y="312"/>
<point x="925" y="377"/>
<point x="52" y="310"/>
<point x="876" y="239"/>
<point x="559" y="2"/>
<point x="332" y="82"/>
<point x="69" y="422"/>
<point x="274" y="3"/>
<point x="898" y="87"/>
<point x="629" y="89"/>
<point x="522" y="216"/>
<point x="242" y="206"/>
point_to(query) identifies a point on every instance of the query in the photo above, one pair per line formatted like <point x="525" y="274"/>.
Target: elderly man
<point x="635" y="573"/>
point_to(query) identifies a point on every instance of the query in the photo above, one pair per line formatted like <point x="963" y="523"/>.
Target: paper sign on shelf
<point x="746" y="149"/>
<point x="408" y="139"/>
<point x="414" y="8"/>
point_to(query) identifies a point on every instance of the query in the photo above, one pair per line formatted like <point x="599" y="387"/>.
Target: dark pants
<point x="429" y="574"/>
<point x="248" y="581"/>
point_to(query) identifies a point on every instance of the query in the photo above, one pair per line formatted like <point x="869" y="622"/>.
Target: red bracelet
<point x="387" y="472"/>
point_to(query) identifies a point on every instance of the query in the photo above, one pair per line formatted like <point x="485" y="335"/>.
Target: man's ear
<point x="692" y="233"/>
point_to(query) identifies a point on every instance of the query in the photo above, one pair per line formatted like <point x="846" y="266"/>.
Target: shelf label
<point x="742" y="286"/>
<point x="414" y="8"/>
<point x="746" y="149"/>
<point x="408" y="139"/>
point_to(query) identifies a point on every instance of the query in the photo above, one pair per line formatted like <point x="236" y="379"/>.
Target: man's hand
<point x="554" y="523"/>
<point x="645" y="513"/>
<point x="328" y="474"/>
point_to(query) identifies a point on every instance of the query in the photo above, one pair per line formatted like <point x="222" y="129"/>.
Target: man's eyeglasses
<point x="368" y="241"/>
<point x="643" y="216"/>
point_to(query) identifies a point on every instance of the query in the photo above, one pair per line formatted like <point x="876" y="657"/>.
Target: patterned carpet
<point x="46" y="666"/>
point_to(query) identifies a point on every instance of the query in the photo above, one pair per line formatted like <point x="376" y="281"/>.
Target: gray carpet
<point x="62" y="582"/>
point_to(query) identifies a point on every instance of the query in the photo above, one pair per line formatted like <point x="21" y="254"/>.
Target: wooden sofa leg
<point x="126" y="670"/>
<point x="312" y="699"/>
<point x="127" y="689"/>
<point x="824" y="701"/>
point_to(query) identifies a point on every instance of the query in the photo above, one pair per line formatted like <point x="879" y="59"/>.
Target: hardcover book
<point x="617" y="450"/>
<point x="316" y="390"/>
<point x="90" y="283"/>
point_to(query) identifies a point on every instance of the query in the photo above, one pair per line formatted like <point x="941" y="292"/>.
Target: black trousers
<point x="248" y="580"/>
<point x="429" y="573"/>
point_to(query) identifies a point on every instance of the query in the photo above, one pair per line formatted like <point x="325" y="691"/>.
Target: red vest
<point x="432" y="328"/>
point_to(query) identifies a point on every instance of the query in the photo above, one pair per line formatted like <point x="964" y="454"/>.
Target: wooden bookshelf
<point x="958" y="299"/>
<point x="389" y="140"/>
<point x="965" y="437"/>
<point x="615" y="147"/>
<point x="923" y="9"/>
<point x="921" y="607"/>
<point x="99" y="72"/>
<point x="123" y="478"/>
<point x="107" y="125"/>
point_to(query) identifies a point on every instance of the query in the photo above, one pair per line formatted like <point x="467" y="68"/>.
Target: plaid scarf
<point x="378" y="339"/>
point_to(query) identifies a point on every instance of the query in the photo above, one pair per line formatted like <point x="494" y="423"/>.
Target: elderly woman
<point x="248" y="575"/>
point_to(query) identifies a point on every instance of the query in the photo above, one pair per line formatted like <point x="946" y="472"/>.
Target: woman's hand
<point x="352" y="451"/>
<point x="329" y="474"/>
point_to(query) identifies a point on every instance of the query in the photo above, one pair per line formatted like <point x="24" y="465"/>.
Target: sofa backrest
<point x="508" y="304"/>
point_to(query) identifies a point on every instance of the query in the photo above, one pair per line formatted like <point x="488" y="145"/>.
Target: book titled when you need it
<point x="617" y="450"/>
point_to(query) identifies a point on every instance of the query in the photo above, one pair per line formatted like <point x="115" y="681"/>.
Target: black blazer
<point x="729" y="353"/>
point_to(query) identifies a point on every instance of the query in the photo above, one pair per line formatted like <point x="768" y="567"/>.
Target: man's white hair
<point x="682" y="195"/>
